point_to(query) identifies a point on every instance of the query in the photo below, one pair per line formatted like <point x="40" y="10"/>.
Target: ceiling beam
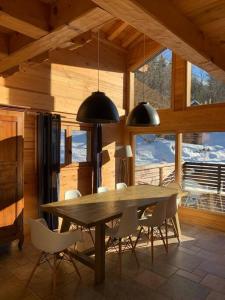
<point x="86" y="20"/>
<point x="30" y="18"/>
<point x="21" y="26"/>
<point x="3" y="46"/>
<point x="162" y="22"/>
<point x="117" y="31"/>
<point x="135" y="56"/>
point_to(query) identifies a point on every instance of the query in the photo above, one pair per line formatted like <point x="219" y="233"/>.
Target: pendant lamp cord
<point x="144" y="70"/>
<point x="98" y="59"/>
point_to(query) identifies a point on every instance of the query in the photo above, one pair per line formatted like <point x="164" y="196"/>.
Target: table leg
<point x="177" y="224"/>
<point x="99" y="253"/>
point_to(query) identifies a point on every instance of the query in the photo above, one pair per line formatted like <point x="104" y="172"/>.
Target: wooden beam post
<point x="178" y="158"/>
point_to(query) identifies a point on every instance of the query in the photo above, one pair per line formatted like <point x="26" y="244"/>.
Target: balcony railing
<point x="205" y="182"/>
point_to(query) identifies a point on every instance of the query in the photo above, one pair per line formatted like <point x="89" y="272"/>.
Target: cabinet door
<point x="11" y="175"/>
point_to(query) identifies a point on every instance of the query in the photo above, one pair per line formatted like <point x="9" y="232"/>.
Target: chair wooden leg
<point x="166" y="229"/>
<point x="138" y="237"/>
<point x="89" y="230"/>
<point x="54" y="268"/>
<point x="152" y="244"/>
<point x="108" y="244"/>
<point x="34" y="269"/>
<point x="74" y="264"/>
<point x="175" y="231"/>
<point x="164" y="243"/>
<point x="120" y="256"/>
<point x="133" y="250"/>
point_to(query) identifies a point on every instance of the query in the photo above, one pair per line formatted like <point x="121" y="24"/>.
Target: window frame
<point x="69" y="127"/>
<point x="148" y="58"/>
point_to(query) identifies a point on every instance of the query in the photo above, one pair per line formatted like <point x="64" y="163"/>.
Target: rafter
<point x="87" y="19"/>
<point x="21" y="26"/>
<point x="130" y="39"/>
<point x="117" y="31"/>
<point x="30" y="18"/>
<point x="162" y="22"/>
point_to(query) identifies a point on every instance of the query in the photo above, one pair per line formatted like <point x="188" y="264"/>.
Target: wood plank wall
<point x="60" y="86"/>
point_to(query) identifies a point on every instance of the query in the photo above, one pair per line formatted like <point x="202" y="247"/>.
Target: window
<point x="204" y="170"/>
<point x="63" y="147"/>
<point x="156" y="75"/>
<point x="205" y="89"/>
<point x="80" y="140"/>
<point x="154" y="158"/>
<point x="75" y="145"/>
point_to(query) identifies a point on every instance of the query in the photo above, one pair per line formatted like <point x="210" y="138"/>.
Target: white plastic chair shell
<point x="51" y="242"/>
<point x="128" y="223"/>
<point x="171" y="207"/>
<point x="102" y="189"/>
<point x="71" y="194"/>
<point x="121" y="186"/>
<point x="158" y="216"/>
<point x="175" y="185"/>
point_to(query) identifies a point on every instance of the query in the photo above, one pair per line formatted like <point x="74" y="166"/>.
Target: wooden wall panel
<point x="60" y="85"/>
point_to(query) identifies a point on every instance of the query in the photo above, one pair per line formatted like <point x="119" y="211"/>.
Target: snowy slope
<point x="161" y="150"/>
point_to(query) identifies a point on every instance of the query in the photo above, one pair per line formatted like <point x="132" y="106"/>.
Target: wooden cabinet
<point x="11" y="176"/>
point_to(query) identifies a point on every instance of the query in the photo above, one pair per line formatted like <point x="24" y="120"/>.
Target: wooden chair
<point x="52" y="244"/>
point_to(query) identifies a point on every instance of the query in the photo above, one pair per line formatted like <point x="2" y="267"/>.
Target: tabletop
<point x="92" y="209"/>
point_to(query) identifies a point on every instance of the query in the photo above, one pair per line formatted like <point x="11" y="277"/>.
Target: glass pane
<point x="80" y="146"/>
<point x="204" y="170"/>
<point x="205" y="89"/>
<point x="63" y="146"/>
<point x="155" y="78"/>
<point x="154" y="158"/>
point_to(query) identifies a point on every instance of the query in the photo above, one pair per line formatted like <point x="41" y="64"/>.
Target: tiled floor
<point x="193" y="270"/>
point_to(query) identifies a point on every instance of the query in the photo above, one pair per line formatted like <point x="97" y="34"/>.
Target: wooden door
<point x="11" y="176"/>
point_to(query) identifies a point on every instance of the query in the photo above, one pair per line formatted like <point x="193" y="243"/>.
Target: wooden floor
<point x="193" y="270"/>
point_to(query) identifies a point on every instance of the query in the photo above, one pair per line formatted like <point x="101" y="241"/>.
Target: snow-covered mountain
<point x="151" y="149"/>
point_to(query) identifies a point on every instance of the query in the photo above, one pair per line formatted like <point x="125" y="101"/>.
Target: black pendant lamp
<point x="98" y="108"/>
<point x="143" y="115"/>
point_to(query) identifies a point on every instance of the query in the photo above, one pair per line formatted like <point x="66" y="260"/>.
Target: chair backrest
<point x="102" y="189"/>
<point x="128" y="222"/>
<point x="171" y="207"/>
<point x="159" y="213"/>
<point x="48" y="241"/>
<point x="175" y="185"/>
<point x="121" y="186"/>
<point x="71" y="194"/>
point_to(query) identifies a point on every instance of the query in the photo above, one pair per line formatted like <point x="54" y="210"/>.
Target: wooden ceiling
<point x="193" y="29"/>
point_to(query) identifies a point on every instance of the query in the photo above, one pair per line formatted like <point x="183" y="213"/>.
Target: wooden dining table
<point x="95" y="210"/>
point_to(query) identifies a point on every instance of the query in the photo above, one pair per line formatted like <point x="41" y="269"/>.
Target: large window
<point x="205" y="89"/>
<point x="156" y="75"/>
<point x="75" y="146"/>
<point x="204" y="170"/>
<point x="154" y="159"/>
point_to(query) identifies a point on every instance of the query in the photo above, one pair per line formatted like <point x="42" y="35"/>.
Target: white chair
<point x="102" y="189"/>
<point x="126" y="227"/>
<point x="71" y="194"/>
<point x="121" y="186"/>
<point x="52" y="244"/>
<point x="176" y="186"/>
<point x="153" y="221"/>
<point x="171" y="211"/>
